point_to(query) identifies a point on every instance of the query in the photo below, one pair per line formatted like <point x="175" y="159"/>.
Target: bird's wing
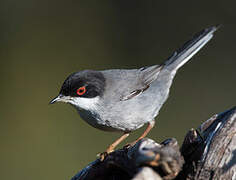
<point x="145" y="76"/>
<point x="148" y="74"/>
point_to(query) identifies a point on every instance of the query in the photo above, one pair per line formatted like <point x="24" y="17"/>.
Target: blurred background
<point x="42" y="42"/>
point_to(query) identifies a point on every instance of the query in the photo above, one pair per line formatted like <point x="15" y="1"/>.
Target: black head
<point x="86" y="83"/>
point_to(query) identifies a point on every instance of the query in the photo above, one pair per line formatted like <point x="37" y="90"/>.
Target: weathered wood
<point x="125" y="163"/>
<point x="209" y="153"/>
<point x="147" y="173"/>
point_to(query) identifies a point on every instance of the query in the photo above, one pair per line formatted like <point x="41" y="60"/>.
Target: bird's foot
<point x="103" y="155"/>
<point x="131" y="144"/>
<point x="112" y="146"/>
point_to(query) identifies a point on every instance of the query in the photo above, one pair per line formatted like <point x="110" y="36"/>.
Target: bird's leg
<point x="147" y="130"/>
<point x="113" y="145"/>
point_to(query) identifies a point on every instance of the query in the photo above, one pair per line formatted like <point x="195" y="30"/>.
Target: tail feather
<point x="189" y="49"/>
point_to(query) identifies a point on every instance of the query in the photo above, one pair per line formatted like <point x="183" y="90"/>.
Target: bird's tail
<point x="189" y="49"/>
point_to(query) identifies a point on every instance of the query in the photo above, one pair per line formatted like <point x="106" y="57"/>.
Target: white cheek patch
<point x="85" y="103"/>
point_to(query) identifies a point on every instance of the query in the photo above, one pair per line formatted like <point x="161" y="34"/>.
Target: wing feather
<point x="146" y="75"/>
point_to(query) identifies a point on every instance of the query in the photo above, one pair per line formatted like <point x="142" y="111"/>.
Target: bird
<point x="123" y="100"/>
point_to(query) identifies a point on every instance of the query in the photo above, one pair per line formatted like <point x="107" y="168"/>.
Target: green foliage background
<point x="41" y="42"/>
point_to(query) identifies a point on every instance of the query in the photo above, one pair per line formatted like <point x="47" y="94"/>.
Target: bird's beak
<point x="56" y="99"/>
<point x="61" y="98"/>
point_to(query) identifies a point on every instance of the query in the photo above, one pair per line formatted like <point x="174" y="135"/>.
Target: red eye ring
<point x="81" y="90"/>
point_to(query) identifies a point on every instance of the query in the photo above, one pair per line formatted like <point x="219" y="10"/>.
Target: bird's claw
<point x="102" y="155"/>
<point x="127" y="146"/>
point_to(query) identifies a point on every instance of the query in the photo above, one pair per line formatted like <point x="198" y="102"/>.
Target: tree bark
<point x="209" y="152"/>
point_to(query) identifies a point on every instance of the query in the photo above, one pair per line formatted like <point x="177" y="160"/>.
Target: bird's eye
<point x="81" y="90"/>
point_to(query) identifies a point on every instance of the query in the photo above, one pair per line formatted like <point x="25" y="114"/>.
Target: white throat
<point x="85" y="103"/>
